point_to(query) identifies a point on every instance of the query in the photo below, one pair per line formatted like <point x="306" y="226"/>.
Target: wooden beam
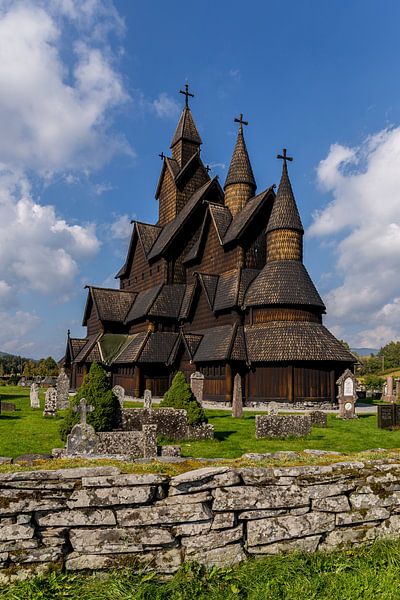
<point x="290" y="383"/>
<point x="137" y="382"/>
<point x="228" y="383"/>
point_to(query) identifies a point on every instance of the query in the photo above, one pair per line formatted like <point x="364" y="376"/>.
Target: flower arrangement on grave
<point x="97" y="391"/>
<point x="181" y="396"/>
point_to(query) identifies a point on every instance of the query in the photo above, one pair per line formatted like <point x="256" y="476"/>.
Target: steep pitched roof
<point x="75" y="346"/>
<point x="221" y="217"/>
<point x="239" y="349"/>
<point x="172" y="228"/>
<point x="283" y="282"/>
<point x="294" y="340"/>
<point x="87" y="348"/>
<point x="186" y="129"/>
<point x="131" y="351"/>
<point x="284" y="214"/>
<point x="187" y="300"/>
<point x="147" y="235"/>
<point x="244" y="217"/>
<point x="209" y="284"/>
<point x="111" y="304"/>
<point x="232" y="286"/>
<point x="143" y="303"/>
<point x="240" y="170"/>
<point x="215" y="344"/>
<point x="168" y="302"/>
<point x="158" y="347"/>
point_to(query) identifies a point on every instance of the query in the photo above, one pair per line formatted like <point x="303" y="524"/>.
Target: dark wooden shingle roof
<point x="76" y="345"/>
<point x="231" y="288"/>
<point x="222" y="218"/>
<point x="143" y="303"/>
<point x="215" y="344"/>
<point x="187" y="300"/>
<point x="147" y="235"/>
<point x="169" y="301"/>
<point x="283" y="282"/>
<point x="294" y="340"/>
<point x="186" y="129"/>
<point x="240" y="170"/>
<point x="158" y="347"/>
<point x="243" y="218"/>
<point x="284" y="214"/>
<point x="132" y="350"/>
<point x="112" y="305"/>
<point x="86" y="349"/>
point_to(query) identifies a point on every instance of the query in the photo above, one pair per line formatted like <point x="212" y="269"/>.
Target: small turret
<point x="240" y="184"/>
<point x="186" y="140"/>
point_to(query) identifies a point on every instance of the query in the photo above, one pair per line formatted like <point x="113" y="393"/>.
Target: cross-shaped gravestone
<point x="187" y="94"/>
<point x="83" y="409"/>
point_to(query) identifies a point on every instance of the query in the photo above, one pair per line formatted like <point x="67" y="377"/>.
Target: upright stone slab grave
<point x="34" y="396"/>
<point x="50" y="403"/>
<point x="318" y="418"/>
<point x="347" y="395"/>
<point x="147" y="400"/>
<point x="197" y="385"/>
<point x="119" y="392"/>
<point x="282" y="426"/>
<point x="83" y="438"/>
<point x="389" y="395"/>
<point x="237" y="401"/>
<point x="62" y="387"/>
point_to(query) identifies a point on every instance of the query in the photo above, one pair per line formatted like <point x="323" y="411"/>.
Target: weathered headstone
<point x="318" y="418"/>
<point x="83" y="408"/>
<point x="197" y="385"/>
<point x="62" y="387"/>
<point x="273" y="409"/>
<point x="34" y="396"/>
<point x="237" y="400"/>
<point x="50" y="403"/>
<point x="281" y="426"/>
<point x="147" y="400"/>
<point x="347" y="395"/>
<point x="119" y="392"/>
<point x="389" y="395"/>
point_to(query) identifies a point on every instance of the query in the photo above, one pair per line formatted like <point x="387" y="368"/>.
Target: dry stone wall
<point x="171" y="423"/>
<point x="97" y="518"/>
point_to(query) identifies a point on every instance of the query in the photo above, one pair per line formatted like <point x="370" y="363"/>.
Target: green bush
<point x="96" y="389"/>
<point x="180" y="395"/>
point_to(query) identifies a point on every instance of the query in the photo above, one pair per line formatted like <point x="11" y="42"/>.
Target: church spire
<point x="284" y="230"/>
<point x="186" y="140"/>
<point x="240" y="184"/>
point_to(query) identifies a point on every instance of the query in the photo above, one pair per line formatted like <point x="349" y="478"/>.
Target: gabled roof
<point x="131" y="351"/>
<point x="193" y="252"/>
<point x="283" y="282"/>
<point x="209" y="284"/>
<point x="215" y="344"/>
<point x="240" y="170"/>
<point x="158" y="347"/>
<point x="186" y="129"/>
<point x="221" y="217"/>
<point x="244" y="217"/>
<point x="232" y="286"/>
<point x="111" y="304"/>
<point x="75" y="346"/>
<point x="239" y="349"/>
<point x="284" y="214"/>
<point x="294" y="340"/>
<point x="87" y="348"/>
<point x="147" y="235"/>
<point x="172" y="228"/>
<point x="143" y="303"/>
<point x="168" y="302"/>
<point x="187" y="300"/>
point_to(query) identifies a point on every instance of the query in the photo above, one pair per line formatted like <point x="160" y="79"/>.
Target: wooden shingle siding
<point x="263" y="315"/>
<point x="284" y="245"/>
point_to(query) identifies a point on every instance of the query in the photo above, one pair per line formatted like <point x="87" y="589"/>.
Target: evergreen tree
<point x="96" y="389"/>
<point x="180" y="395"/>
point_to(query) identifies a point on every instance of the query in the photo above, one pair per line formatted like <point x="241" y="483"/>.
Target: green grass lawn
<point x="366" y="573"/>
<point x="27" y="431"/>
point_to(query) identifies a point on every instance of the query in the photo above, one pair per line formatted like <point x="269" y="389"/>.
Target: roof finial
<point x="240" y="120"/>
<point x="162" y="155"/>
<point x="284" y="157"/>
<point x="68" y="332"/>
<point x="186" y="93"/>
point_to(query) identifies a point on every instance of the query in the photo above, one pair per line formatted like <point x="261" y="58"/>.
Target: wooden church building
<point x="217" y="285"/>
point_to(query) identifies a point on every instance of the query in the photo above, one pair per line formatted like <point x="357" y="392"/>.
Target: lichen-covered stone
<point x="125" y="480"/>
<point x="248" y="497"/>
<point x="16" y="532"/>
<point x="331" y="504"/>
<point x="305" y="544"/>
<point x="266" y="531"/>
<point x="220" y="557"/>
<point x="161" y="513"/>
<point x="223" y="520"/>
<point x="111" y="496"/>
<point x="203" y="479"/>
<point x="77" y="518"/>
<point x="214" y="539"/>
<point x="162" y="561"/>
<point x="119" y="540"/>
<point x="376" y="513"/>
<point x="281" y="426"/>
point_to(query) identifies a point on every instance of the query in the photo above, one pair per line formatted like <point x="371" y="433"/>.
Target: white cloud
<point x="165" y="106"/>
<point x="14" y="329"/>
<point x="102" y="188"/>
<point x="121" y="229"/>
<point x="364" y="218"/>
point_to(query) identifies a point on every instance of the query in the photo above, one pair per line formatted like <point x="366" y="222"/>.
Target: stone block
<point x="331" y="504"/>
<point x="203" y="479"/>
<point x="214" y="539"/>
<point x="77" y="518"/>
<point x="250" y="497"/>
<point x="125" y="480"/>
<point x="376" y="513"/>
<point x="349" y="536"/>
<point x="111" y="496"/>
<point x="265" y="531"/>
<point x="16" y="532"/>
<point x="306" y="544"/>
<point x="119" y="540"/>
<point x="192" y="528"/>
<point x="318" y="418"/>
<point x="281" y="426"/>
<point x="219" y="557"/>
<point x="163" y="514"/>
<point x="36" y="555"/>
<point x="162" y="561"/>
<point x="223" y="521"/>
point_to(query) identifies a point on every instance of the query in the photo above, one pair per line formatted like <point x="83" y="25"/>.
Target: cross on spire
<point x="162" y="155"/>
<point x="240" y="120"/>
<point x="208" y="168"/>
<point x="83" y="409"/>
<point x="284" y="157"/>
<point x="186" y="93"/>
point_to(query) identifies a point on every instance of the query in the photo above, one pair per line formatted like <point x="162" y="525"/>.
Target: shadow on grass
<point x="222" y="435"/>
<point x="4" y="417"/>
<point x="12" y="397"/>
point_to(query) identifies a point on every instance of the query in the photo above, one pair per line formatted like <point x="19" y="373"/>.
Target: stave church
<point x="217" y="285"/>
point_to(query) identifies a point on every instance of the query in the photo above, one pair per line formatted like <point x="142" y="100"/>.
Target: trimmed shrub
<point x="180" y="395"/>
<point x="96" y="389"/>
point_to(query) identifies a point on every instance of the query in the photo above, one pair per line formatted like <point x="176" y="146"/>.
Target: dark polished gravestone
<point x="388" y="416"/>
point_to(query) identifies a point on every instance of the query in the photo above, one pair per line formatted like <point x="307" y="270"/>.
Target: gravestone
<point x="119" y="392"/>
<point x="389" y="395"/>
<point x="147" y="400"/>
<point x="318" y="418"/>
<point x="273" y="409"/>
<point x="50" y="403"/>
<point x="34" y="396"/>
<point x="347" y="395"/>
<point x="281" y="426"/>
<point x="388" y="415"/>
<point x="197" y="385"/>
<point x="62" y="387"/>
<point x="237" y="400"/>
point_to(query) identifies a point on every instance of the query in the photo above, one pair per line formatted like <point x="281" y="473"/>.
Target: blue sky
<point x="90" y="98"/>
